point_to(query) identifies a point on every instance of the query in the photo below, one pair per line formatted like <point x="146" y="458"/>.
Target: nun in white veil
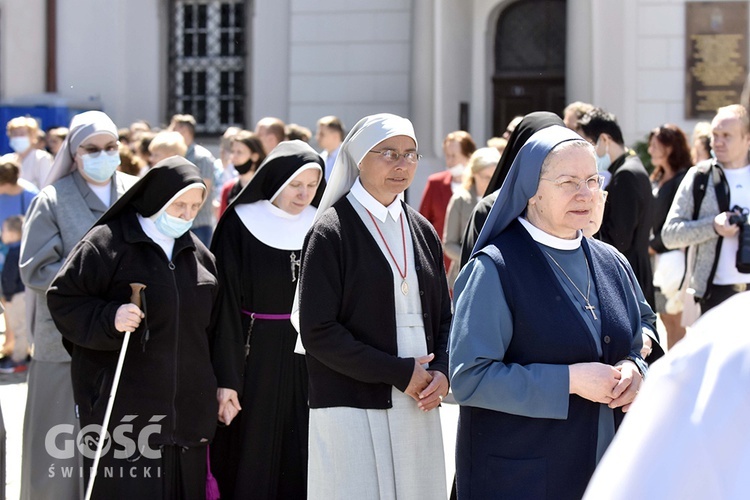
<point x="374" y="315"/>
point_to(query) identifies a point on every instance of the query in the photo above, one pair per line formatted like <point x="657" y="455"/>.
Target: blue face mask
<point x="602" y="162"/>
<point x="20" y="144"/>
<point x="100" y="168"/>
<point x="171" y="226"/>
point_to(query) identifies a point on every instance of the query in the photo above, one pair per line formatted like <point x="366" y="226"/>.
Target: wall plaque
<point x="717" y="56"/>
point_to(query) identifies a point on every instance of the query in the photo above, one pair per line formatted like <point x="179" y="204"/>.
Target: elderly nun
<point x="374" y="318"/>
<point x="83" y="183"/>
<point x="545" y="343"/>
<point x="166" y="397"/>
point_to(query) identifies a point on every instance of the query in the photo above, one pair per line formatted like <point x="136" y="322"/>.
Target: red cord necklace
<point x="404" y="284"/>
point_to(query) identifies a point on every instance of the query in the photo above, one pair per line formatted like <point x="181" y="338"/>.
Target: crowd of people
<point x="277" y="322"/>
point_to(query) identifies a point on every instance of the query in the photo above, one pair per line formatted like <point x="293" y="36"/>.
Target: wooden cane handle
<point x="135" y="295"/>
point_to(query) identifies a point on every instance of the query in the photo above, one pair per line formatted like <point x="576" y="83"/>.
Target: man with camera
<point x="700" y="215"/>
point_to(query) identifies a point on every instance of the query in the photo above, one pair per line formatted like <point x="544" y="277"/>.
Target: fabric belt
<point x="270" y="317"/>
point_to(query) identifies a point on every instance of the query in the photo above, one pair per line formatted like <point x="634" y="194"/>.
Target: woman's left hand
<point x="432" y="395"/>
<point x="627" y="388"/>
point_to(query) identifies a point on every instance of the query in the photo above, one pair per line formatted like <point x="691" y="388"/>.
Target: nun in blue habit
<point x="546" y="336"/>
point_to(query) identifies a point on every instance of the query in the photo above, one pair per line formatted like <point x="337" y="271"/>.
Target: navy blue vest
<point x="500" y="455"/>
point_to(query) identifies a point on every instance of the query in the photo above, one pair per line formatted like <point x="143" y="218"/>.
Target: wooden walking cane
<point x="135" y="298"/>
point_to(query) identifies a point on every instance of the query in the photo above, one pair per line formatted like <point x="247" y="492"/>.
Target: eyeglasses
<point x="571" y="185"/>
<point x="392" y="156"/>
<point x="95" y="152"/>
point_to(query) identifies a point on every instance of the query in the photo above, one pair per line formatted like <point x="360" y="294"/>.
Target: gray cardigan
<point x="56" y="220"/>
<point x="680" y="230"/>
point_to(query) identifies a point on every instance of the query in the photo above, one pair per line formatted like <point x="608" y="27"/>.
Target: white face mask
<point x="20" y="144"/>
<point x="101" y="167"/>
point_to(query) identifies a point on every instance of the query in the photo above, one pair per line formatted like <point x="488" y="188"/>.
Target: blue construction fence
<point x="47" y="117"/>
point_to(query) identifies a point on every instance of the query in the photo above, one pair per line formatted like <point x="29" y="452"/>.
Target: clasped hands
<point x="427" y="387"/>
<point x="616" y="386"/>
<point x="229" y="404"/>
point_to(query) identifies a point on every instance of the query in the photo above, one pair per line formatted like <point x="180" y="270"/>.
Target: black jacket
<point x="170" y="372"/>
<point x="347" y="312"/>
<point x="628" y="217"/>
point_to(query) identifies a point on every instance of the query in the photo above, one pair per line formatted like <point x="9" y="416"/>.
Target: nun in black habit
<point x="263" y="451"/>
<point x="164" y="413"/>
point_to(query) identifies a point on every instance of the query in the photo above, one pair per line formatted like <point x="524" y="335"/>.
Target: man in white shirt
<point x="709" y="223"/>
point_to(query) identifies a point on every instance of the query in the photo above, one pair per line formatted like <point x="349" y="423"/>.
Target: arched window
<point x="529" y="60"/>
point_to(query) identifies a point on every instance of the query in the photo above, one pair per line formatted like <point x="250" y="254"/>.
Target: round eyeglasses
<point x="571" y="185"/>
<point x="392" y="156"/>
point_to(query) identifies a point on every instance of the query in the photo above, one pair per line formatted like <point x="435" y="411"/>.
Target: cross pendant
<point x="591" y="308"/>
<point x="295" y="264"/>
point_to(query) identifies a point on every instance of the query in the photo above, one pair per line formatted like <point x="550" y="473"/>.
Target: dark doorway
<point x="529" y="60"/>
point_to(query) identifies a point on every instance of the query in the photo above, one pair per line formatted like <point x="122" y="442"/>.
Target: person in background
<point x="15" y="198"/>
<point x="686" y="434"/>
<point x="246" y="155"/>
<point x="670" y="156"/>
<point x="165" y="144"/>
<point x="701" y="145"/>
<point x="629" y="211"/>
<point x="55" y="138"/>
<point x="329" y="134"/>
<point x="482" y="164"/>
<point x="296" y="132"/>
<point x="541" y="395"/>
<point x="166" y="375"/>
<point x="258" y="244"/>
<point x="84" y="183"/>
<point x="499" y="143"/>
<point x="13" y="297"/>
<point x="271" y="132"/>
<point x="140" y="148"/>
<point x="512" y="126"/>
<point x="377" y="359"/>
<point x="204" y="160"/>
<point x="129" y="163"/>
<point x="35" y="163"/>
<point x="574" y="112"/>
<point x="707" y="223"/>
<point x="138" y="129"/>
<point x="458" y="147"/>
<point x="123" y="136"/>
<point x="223" y="169"/>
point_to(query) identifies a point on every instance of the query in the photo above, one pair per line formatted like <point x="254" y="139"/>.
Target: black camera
<point x="739" y="218"/>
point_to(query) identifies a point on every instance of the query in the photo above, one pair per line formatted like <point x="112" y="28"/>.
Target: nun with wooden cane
<point x="262" y="453"/>
<point x="374" y="315"/>
<point x="83" y="184"/>
<point x="546" y="338"/>
<point x="164" y="413"/>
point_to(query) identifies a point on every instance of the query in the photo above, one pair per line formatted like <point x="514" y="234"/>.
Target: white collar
<point x="551" y="241"/>
<point x="275" y="227"/>
<point x="373" y="206"/>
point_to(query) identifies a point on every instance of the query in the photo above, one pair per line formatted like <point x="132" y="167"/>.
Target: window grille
<point x="207" y="56"/>
<point x="531" y="37"/>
